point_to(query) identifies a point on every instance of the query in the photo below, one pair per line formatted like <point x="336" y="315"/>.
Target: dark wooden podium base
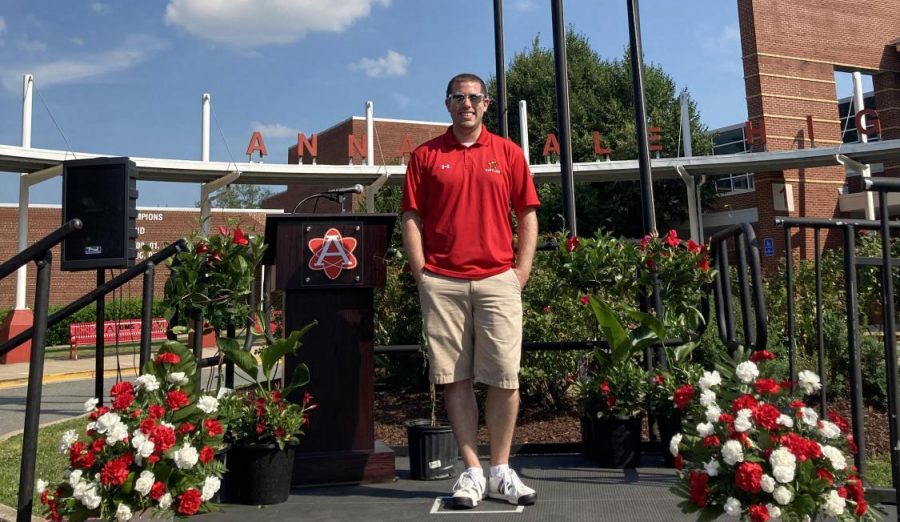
<point x="344" y="467"/>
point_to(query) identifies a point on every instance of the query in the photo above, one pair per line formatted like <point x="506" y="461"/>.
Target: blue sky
<point x="125" y="77"/>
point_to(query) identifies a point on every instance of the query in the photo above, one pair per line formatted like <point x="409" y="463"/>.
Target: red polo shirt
<point x="464" y="195"/>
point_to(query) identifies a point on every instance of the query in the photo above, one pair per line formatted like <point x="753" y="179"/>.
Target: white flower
<point x="123" y="513"/>
<point x="116" y="433"/>
<point x="210" y="486"/>
<point x="829" y="430"/>
<point x="783" y="474"/>
<point x="143" y="484"/>
<point x="66" y="440"/>
<point x="707" y="398"/>
<point x="834" y="504"/>
<point x="713" y="412"/>
<point x="742" y="421"/>
<point x="90" y="498"/>
<point x="732" y="507"/>
<point x="710" y="379"/>
<point x="143" y="447"/>
<point x="809" y="417"/>
<point x="74" y="478"/>
<point x="712" y="467"/>
<point x="732" y="453"/>
<point x="165" y="501"/>
<point x="177" y="378"/>
<point x="207" y="404"/>
<point x="767" y="483"/>
<point x="785" y="421"/>
<point x="90" y="404"/>
<point x="106" y="421"/>
<point x="705" y="429"/>
<point x="673" y="444"/>
<point x="782" y="495"/>
<point x="40" y="486"/>
<point x="837" y="459"/>
<point x="146" y="382"/>
<point x="223" y="392"/>
<point x="167" y="424"/>
<point x="79" y="488"/>
<point x="782" y="457"/>
<point x="186" y="457"/>
<point x="774" y="511"/>
<point x="809" y="381"/>
<point x="747" y="372"/>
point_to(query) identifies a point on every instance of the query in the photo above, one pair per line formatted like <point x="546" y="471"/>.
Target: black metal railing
<point x="40" y="253"/>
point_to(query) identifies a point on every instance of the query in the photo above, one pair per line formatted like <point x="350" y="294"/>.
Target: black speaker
<point x="102" y="193"/>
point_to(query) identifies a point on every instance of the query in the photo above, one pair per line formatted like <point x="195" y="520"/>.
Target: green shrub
<point x="58" y="334"/>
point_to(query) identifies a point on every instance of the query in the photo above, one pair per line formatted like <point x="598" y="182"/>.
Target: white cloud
<point x="249" y="23"/>
<point x="67" y="70"/>
<point x="76" y="40"/>
<point x="392" y="64"/>
<point x="723" y="47"/>
<point x="33" y="46"/>
<point x="273" y="130"/>
<point x="2" y="29"/>
<point x="101" y="8"/>
<point x="526" y="5"/>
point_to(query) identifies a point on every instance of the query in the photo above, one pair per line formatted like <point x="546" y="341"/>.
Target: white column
<point x="205" y="206"/>
<point x="858" y="105"/>
<point x="689" y="181"/>
<point x="27" y="89"/>
<point x="370" y="154"/>
<point x="523" y="129"/>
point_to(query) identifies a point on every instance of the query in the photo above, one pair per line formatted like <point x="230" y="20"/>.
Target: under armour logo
<point x="445" y="166"/>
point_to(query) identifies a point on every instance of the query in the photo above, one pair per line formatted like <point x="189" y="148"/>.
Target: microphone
<point x="355" y="189"/>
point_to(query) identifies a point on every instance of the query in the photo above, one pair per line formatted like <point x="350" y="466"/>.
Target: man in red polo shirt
<point x="457" y="231"/>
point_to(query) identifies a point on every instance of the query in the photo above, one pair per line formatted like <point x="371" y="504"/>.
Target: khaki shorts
<point x="473" y="328"/>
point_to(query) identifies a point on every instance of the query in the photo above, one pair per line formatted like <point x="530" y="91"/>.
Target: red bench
<point x="123" y="331"/>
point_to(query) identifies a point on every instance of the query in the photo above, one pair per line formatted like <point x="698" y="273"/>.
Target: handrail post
<point x="820" y="319"/>
<point x="852" y="303"/>
<point x="147" y="314"/>
<point x="100" y="345"/>
<point x="789" y="301"/>
<point x="35" y="383"/>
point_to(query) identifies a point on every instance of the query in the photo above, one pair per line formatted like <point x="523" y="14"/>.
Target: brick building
<point x="156" y="226"/>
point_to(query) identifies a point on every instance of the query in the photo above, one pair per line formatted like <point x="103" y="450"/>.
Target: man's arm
<point x="412" y="242"/>
<point x="526" y="229"/>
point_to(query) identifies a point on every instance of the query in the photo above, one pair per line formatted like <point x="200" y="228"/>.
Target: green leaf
<point x="612" y="329"/>
<point x="299" y="378"/>
<point x="243" y="360"/>
<point x="273" y="353"/>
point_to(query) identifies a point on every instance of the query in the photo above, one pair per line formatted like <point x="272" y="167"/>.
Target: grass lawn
<point x="50" y="462"/>
<point x="878" y="470"/>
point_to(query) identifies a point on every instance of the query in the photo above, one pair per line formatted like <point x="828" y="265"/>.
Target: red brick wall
<point x="157" y="227"/>
<point x="790" y="52"/>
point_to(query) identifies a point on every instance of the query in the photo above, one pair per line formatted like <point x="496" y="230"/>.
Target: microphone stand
<point x="337" y="198"/>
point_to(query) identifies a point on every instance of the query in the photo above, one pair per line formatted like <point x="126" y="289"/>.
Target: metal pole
<point x="789" y="287"/>
<point x="500" y="63"/>
<point x="100" y="344"/>
<point x="856" y="397"/>
<point x="890" y="344"/>
<point x="562" y="118"/>
<point x="640" y="115"/>
<point x="147" y="315"/>
<point x="690" y="182"/>
<point x="820" y="321"/>
<point x="21" y="275"/>
<point x="866" y="171"/>
<point x="523" y="129"/>
<point x="33" y="396"/>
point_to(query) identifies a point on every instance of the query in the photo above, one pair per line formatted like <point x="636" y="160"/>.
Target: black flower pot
<point x="432" y="450"/>
<point x="668" y="427"/>
<point x="229" y="480"/>
<point x="612" y="442"/>
<point x="260" y="473"/>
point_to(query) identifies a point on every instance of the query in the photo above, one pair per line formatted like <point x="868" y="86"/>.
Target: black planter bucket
<point x="260" y="473"/>
<point x="668" y="428"/>
<point x="612" y="442"/>
<point x="432" y="450"/>
<point x="224" y="495"/>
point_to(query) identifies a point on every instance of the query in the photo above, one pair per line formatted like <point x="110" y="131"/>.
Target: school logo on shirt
<point x="492" y="166"/>
<point x="332" y="253"/>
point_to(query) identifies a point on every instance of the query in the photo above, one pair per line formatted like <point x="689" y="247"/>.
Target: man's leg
<point x="462" y="410"/>
<point x="500" y="414"/>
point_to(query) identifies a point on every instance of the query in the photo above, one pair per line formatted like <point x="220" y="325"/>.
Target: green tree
<point x="600" y="99"/>
<point x="241" y="196"/>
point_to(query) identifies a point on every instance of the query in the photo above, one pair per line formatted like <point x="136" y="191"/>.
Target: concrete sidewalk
<point x="62" y="369"/>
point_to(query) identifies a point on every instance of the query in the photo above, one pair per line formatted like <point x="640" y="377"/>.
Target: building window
<point x="731" y="140"/>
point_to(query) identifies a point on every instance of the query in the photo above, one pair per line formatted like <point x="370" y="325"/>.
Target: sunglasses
<point x="474" y="99"/>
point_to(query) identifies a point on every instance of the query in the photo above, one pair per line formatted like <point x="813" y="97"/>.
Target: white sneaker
<point x="468" y="490"/>
<point x="510" y="488"/>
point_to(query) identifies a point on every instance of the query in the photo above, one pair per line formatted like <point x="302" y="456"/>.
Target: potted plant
<point x="755" y="452"/>
<point x="433" y="450"/>
<point x="151" y="451"/>
<point x="263" y="425"/>
<point x="613" y="387"/>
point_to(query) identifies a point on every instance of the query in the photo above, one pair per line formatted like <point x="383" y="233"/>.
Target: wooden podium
<point x="328" y="266"/>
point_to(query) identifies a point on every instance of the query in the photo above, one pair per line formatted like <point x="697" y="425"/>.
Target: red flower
<point x="279" y="433"/>
<point x="802" y="448"/>
<point x="114" y="473"/>
<point x="711" y="441"/>
<point x="156" y="411"/>
<point x="122" y="401"/>
<point x="758" y="513"/>
<point x="825" y="475"/>
<point x="861" y="507"/>
<point x="649" y="261"/>
<point x="189" y="502"/>
<point x="212" y="427"/>
<point x="215" y="257"/>
<point x="223" y="231"/>
<point x="683" y="396"/>
<point x="679" y="462"/>
<point x="748" y="476"/>
<point x="853" y="447"/>
<point x="163" y="438"/>
<point x="744" y="402"/>
<point x="699" y="488"/>
<point x="147" y="426"/>
<point x="611" y="401"/>
<point x="307" y="398"/>
<point x="693" y="247"/>
<point x="168" y="358"/>
<point x="572" y="243"/>
<point x="98" y="412"/>
<point x="201" y="247"/>
<point x="659" y="379"/>
<point x="762" y="355"/>
<point x="260" y="428"/>
<point x="177" y="399"/>
<point x="239" y="238"/>
<point x="604" y="388"/>
<point x="157" y="490"/>
<point x="206" y="454"/>
<point x="585" y="300"/>
<point x="121" y="387"/>
<point x="766" y="415"/>
<point x="98" y="444"/>
<point x="767" y="387"/>
<point x="186" y="427"/>
<point x="704" y="264"/>
<point x="839" y="421"/>
<point x="797" y="404"/>
<point x="672" y="239"/>
<point x="645" y="241"/>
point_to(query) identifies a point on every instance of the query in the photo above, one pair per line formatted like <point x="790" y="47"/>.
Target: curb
<point x="64" y="377"/>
